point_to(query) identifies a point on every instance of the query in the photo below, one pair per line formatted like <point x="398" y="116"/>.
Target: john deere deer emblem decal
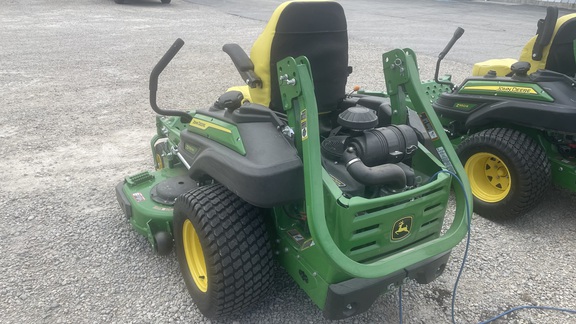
<point x="401" y="228"/>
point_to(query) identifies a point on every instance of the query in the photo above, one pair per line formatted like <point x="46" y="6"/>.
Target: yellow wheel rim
<point x="159" y="162"/>
<point x="489" y="177"/>
<point x="194" y="256"/>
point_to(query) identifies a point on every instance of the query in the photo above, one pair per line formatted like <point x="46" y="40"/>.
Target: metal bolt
<point x="285" y="78"/>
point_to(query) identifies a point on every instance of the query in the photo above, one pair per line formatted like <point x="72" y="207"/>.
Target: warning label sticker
<point x="304" y="124"/>
<point x="138" y="196"/>
<point x="302" y="241"/>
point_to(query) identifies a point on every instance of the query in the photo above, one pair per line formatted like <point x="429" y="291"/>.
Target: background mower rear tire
<point x="508" y="172"/>
<point x="223" y="249"/>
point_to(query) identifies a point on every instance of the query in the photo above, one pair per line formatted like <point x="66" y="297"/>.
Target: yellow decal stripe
<point x="525" y="90"/>
<point x="203" y="125"/>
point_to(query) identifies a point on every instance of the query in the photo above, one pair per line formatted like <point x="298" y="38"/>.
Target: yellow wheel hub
<point x="159" y="161"/>
<point x="194" y="256"/>
<point x="489" y="177"/>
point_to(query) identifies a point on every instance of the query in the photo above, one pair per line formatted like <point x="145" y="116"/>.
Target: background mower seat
<point x="316" y="29"/>
<point x="551" y="48"/>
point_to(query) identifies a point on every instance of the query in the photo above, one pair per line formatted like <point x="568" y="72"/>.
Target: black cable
<point x="465" y="257"/>
<point x="469" y="217"/>
<point x="400" y="304"/>
<point x="467" y="247"/>
<point x="527" y="307"/>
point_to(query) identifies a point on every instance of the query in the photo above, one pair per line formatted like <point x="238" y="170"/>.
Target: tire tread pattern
<point x="238" y="246"/>
<point x="528" y="159"/>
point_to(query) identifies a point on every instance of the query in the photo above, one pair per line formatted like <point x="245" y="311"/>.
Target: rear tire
<point x="223" y="249"/>
<point x="508" y="172"/>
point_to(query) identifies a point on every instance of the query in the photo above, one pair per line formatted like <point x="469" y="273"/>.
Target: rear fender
<point x="537" y="115"/>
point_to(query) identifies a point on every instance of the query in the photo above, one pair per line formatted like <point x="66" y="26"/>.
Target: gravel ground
<point x="75" y="120"/>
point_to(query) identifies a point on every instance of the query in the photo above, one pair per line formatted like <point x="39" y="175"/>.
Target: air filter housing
<point x="358" y="118"/>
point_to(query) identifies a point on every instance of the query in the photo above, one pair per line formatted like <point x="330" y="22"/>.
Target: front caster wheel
<point x="223" y="249"/>
<point x="508" y="172"/>
<point x="160" y="150"/>
<point x="163" y="242"/>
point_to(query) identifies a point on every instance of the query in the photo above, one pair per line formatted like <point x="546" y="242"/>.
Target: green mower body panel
<point x="503" y="88"/>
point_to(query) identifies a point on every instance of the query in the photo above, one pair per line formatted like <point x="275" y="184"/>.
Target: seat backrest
<point x="561" y="55"/>
<point x="316" y="29"/>
<point x="558" y="55"/>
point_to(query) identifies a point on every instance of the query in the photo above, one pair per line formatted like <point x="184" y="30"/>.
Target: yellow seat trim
<point x="501" y="66"/>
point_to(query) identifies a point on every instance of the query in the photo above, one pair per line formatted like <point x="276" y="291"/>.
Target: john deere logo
<point x="402" y="228"/>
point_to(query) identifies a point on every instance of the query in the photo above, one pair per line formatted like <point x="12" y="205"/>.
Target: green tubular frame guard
<point x="297" y="90"/>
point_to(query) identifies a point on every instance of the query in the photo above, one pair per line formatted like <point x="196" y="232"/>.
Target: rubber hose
<point x="390" y="175"/>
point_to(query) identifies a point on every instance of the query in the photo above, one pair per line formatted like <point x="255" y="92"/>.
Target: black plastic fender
<point x="269" y="174"/>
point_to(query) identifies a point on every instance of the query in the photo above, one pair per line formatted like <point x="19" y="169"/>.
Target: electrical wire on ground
<point x="461" y="270"/>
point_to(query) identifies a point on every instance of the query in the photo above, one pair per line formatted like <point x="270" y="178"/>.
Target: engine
<point x="369" y="161"/>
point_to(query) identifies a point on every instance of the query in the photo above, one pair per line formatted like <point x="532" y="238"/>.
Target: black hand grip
<point x="243" y="64"/>
<point x="457" y="34"/>
<point x="545" y="32"/>
<point x="239" y="57"/>
<point x="161" y="65"/>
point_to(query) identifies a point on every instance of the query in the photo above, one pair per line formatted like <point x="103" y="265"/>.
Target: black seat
<point x="315" y="29"/>
<point x="561" y="55"/>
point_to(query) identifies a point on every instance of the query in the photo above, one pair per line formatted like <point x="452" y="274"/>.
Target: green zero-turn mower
<point x="347" y="192"/>
<point x="514" y="122"/>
